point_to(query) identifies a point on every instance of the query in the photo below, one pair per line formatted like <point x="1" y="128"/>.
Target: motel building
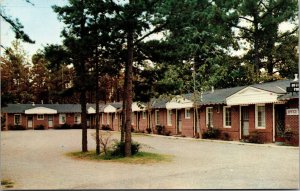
<point x="238" y="112"/>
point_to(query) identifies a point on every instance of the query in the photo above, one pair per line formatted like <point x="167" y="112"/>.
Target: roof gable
<point x="251" y="95"/>
<point x="40" y="110"/>
<point x="179" y="102"/>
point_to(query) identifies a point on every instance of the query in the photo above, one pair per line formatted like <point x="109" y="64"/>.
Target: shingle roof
<point x="278" y="86"/>
<point x="117" y="105"/>
<point x="61" y="108"/>
<point x="289" y="96"/>
<point x="218" y="96"/>
<point x="158" y="103"/>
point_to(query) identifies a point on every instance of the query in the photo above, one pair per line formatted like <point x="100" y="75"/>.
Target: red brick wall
<point x="142" y="122"/>
<point x="187" y="124"/>
<point x="234" y="130"/>
<point x="37" y="122"/>
<point x="292" y="121"/>
<point x="172" y="127"/>
<point x="10" y="120"/>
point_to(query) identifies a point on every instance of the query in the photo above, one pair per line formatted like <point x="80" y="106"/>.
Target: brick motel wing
<point x="266" y="108"/>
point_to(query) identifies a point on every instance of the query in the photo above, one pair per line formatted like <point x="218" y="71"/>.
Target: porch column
<point x="273" y="112"/>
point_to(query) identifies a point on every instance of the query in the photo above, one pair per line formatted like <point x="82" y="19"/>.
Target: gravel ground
<point x="36" y="160"/>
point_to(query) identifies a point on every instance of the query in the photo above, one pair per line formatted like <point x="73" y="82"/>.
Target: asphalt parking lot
<point x="36" y="160"/>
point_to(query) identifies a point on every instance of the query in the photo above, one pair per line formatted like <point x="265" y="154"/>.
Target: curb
<point x="273" y="145"/>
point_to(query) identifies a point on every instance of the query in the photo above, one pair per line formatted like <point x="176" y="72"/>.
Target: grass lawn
<point x="139" y="158"/>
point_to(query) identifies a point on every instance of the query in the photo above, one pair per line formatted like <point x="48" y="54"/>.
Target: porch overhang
<point x="179" y="103"/>
<point x="252" y="95"/>
<point x="110" y="109"/>
<point x="138" y="107"/>
<point x="91" y="110"/>
<point x="40" y="110"/>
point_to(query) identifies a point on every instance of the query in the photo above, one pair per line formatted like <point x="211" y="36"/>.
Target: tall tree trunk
<point x="129" y="89"/>
<point x="97" y="107"/>
<point x="84" y="120"/>
<point x="83" y="86"/>
<point x="123" y="126"/>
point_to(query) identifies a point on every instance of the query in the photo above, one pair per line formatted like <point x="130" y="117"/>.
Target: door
<point x="179" y="121"/>
<point x="279" y="119"/>
<point x="245" y="121"/>
<point x="29" y="122"/>
<point x="50" y="121"/>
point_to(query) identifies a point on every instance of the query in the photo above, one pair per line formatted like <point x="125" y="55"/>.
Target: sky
<point x="39" y="21"/>
<point x="42" y="24"/>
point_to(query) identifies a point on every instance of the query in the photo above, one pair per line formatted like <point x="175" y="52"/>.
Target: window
<point x="17" y="119"/>
<point x="40" y="117"/>
<point x="260" y="117"/>
<point x="77" y="118"/>
<point x="209" y="117"/>
<point x="169" y="117"/>
<point x="144" y="114"/>
<point x="62" y="118"/>
<point x="157" y="117"/>
<point x="227" y="116"/>
<point x="187" y="114"/>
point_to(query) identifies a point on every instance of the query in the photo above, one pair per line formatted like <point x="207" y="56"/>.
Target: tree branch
<point x="246" y="19"/>
<point x="157" y="29"/>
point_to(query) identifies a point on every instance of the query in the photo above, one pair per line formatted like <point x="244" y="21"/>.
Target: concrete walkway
<point x="36" y="160"/>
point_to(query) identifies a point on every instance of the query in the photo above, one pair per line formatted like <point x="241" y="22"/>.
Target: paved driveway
<point x="35" y="160"/>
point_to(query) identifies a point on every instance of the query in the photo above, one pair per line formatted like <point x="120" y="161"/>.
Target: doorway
<point x="245" y="120"/>
<point x="279" y="119"/>
<point x="179" y="122"/>
<point x="29" y="122"/>
<point x="50" y="121"/>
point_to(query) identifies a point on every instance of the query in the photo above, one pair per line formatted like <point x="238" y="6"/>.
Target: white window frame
<point x="224" y="117"/>
<point x="256" y="116"/>
<point x="169" y="117"/>
<point x="40" y="117"/>
<point x="60" y="118"/>
<point x="156" y="117"/>
<point x="206" y="115"/>
<point x="20" y="119"/>
<point x="78" y="116"/>
<point x="187" y="113"/>
<point x="144" y="114"/>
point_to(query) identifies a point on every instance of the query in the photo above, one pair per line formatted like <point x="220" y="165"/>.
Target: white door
<point x="29" y="122"/>
<point x="245" y="121"/>
<point x="50" y="120"/>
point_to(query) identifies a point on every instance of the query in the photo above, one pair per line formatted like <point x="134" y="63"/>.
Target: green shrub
<point x="211" y="133"/>
<point x="288" y="134"/>
<point x="225" y="136"/>
<point x="140" y="131"/>
<point x="106" y="128"/>
<point x="16" y="127"/>
<point x="63" y="126"/>
<point x="167" y="133"/>
<point x="76" y="126"/>
<point x="39" y="127"/>
<point x="254" y="137"/>
<point x="160" y="129"/>
<point x="148" y="130"/>
<point x="119" y="149"/>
